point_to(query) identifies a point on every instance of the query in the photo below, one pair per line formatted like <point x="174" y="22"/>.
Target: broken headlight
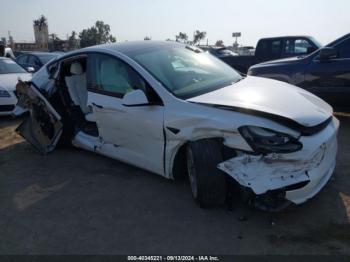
<point x="265" y="141"/>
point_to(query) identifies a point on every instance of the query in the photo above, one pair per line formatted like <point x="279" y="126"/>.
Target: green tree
<point x="198" y="36"/>
<point x="219" y="43"/>
<point x="181" y="36"/>
<point x="73" y="41"/>
<point x="96" y="35"/>
<point x="41" y="21"/>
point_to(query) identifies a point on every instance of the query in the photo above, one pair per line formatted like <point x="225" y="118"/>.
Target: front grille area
<point x="6" y="108"/>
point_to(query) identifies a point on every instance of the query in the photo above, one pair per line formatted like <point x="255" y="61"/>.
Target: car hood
<point x="9" y="81"/>
<point x="272" y="97"/>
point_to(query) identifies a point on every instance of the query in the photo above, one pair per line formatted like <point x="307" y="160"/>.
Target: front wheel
<point x="208" y="183"/>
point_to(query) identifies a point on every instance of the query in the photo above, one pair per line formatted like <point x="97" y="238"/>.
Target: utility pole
<point x="235" y="44"/>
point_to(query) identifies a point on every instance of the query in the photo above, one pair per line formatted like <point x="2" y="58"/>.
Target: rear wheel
<point x="208" y="183"/>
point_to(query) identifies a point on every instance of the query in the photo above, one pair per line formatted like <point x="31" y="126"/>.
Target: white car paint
<point x="142" y="135"/>
<point x="271" y="97"/>
<point x="9" y="53"/>
<point x="8" y="82"/>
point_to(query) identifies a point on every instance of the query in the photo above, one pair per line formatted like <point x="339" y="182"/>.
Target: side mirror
<point x="328" y="53"/>
<point x="30" y="69"/>
<point x="135" y="98"/>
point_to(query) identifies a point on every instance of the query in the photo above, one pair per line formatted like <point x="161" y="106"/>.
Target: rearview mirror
<point x="328" y="53"/>
<point x="135" y="98"/>
<point x="30" y="69"/>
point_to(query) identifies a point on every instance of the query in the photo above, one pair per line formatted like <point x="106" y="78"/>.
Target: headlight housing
<point x="4" y="93"/>
<point x="265" y="141"/>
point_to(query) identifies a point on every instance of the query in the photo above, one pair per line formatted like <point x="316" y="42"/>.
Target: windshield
<point x="7" y="66"/>
<point x="44" y="58"/>
<point x="186" y="72"/>
<point x="318" y="44"/>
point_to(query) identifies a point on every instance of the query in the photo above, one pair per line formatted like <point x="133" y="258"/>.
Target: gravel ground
<point x="74" y="202"/>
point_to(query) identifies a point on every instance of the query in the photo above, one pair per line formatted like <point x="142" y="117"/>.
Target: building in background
<point x="41" y="35"/>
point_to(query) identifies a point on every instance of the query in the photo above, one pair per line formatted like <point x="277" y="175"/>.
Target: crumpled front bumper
<point x="311" y="168"/>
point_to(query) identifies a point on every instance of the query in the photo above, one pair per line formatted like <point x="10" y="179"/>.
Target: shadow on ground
<point x="75" y="202"/>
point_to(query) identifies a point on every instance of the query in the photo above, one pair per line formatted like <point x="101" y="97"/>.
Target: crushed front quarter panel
<point x="314" y="163"/>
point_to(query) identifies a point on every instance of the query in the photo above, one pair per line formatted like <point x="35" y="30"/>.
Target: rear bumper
<point x="313" y="165"/>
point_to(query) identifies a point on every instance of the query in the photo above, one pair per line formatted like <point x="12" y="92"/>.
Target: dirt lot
<point x="74" y="202"/>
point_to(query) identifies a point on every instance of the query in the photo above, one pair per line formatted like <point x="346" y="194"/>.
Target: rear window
<point x="275" y="48"/>
<point x="44" y="58"/>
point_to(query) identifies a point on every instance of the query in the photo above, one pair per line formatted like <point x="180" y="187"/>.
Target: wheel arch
<point x="179" y="166"/>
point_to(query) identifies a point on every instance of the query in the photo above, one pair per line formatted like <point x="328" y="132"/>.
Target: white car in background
<point x="173" y="109"/>
<point x="9" y="53"/>
<point x="10" y="71"/>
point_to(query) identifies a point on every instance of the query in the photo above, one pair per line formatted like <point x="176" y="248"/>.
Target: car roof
<point x="285" y="37"/>
<point x="127" y="47"/>
<point x="37" y="53"/>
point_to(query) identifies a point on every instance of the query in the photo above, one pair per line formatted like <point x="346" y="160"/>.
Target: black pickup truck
<point x="325" y="72"/>
<point x="274" y="48"/>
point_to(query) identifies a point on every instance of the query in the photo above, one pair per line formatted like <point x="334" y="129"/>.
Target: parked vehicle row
<point x="325" y="73"/>
<point x="274" y="48"/>
<point x="175" y="110"/>
<point x="33" y="61"/>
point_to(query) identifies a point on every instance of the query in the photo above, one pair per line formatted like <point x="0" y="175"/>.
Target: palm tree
<point x="41" y="21"/>
<point x="198" y="36"/>
<point x="181" y="36"/>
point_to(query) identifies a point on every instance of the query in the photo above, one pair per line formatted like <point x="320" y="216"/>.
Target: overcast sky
<point x="162" y="19"/>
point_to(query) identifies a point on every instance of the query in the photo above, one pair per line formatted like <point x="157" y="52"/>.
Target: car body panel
<point x="270" y="96"/>
<point x="270" y="172"/>
<point x="129" y="132"/>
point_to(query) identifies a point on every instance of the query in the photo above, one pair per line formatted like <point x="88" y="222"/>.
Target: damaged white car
<point x="173" y="110"/>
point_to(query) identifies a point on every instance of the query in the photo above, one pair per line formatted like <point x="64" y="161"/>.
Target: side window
<point x="297" y="46"/>
<point x="112" y="76"/>
<point x="37" y="62"/>
<point x="52" y="69"/>
<point x="275" y="49"/>
<point x="344" y="49"/>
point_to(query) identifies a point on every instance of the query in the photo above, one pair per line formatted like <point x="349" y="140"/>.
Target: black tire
<point x="208" y="183"/>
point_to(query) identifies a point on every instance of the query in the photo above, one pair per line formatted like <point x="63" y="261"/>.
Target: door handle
<point x="99" y="106"/>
